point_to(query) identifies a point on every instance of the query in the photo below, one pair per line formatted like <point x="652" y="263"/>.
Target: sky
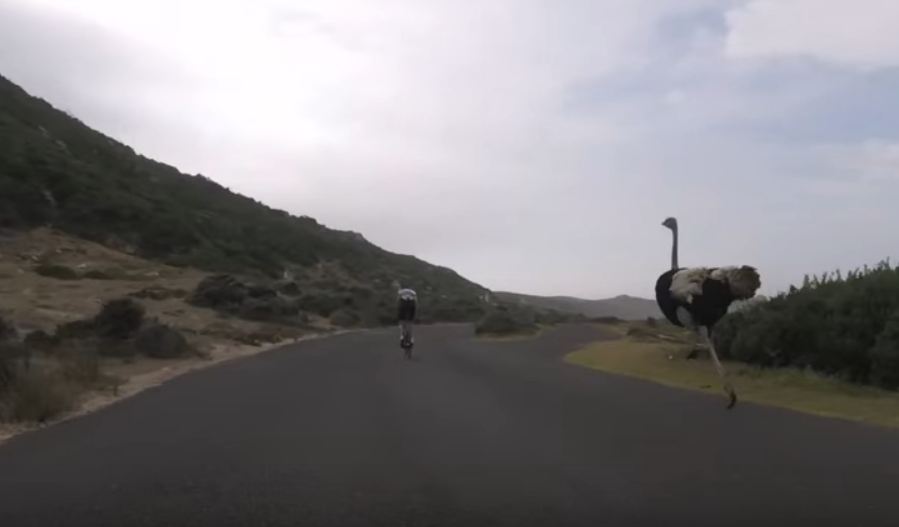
<point x="531" y="145"/>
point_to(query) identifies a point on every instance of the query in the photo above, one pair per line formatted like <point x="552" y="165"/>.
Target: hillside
<point x="624" y="307"/>
<point x="57" y="172"/>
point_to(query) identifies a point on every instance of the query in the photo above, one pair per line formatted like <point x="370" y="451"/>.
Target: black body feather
<point x="706" y="309"/>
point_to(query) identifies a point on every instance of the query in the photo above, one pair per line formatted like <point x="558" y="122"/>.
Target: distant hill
<point x="55" y="171"/>
<point x="624" y="307"/>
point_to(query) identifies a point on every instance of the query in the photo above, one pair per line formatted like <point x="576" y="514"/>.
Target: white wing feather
<point x="686" y="284"/>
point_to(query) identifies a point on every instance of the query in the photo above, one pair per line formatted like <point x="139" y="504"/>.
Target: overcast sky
<point x="532" y="145"/>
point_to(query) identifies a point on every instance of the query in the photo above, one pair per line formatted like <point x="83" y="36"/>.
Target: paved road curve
<point x="342" y="431"/>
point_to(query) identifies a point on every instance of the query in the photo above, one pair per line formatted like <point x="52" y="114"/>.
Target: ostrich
<point x="698" y="297"/>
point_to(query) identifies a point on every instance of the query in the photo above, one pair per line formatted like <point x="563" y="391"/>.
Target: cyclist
<point x="407" y="301"/>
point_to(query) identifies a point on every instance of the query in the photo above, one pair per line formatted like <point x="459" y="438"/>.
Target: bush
<point x="161" y="342"/>
<point x="289" y="288"/>
<point x="8" y="356"/>
<point x="60" y="272"/>
<point x="551" y="317"/>
<point x="835" y="325"/>
<point x="606" y="320"/>
<point x="7" y="330"/>
<point x="158" y="293"/>
<point x="885" y="355"/>
<point x="76" y="329"/>
<point x="259" y="302"/>
<point x="80" y="364"/>
<point x="639" y="333"/>
<point x="48" y="387"/>
<point x="38" y="395"/>
<point x="261" y="291"/>
<point x="268" y="308"/>
<point x="220" y="292"/>
<point x="97" y="274"/>
<point x="504" y="321"/>
<point x="119" y="319"/>
<point x="323" y="304"/>
<point x="344" y="318"/>
<point x="40" y="340"/>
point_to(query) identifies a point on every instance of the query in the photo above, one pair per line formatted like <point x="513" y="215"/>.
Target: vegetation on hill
<point x="43" y="375"/>
<point x="505" y="320"/>
<point x="846" y="326"/>
<point x="623" y="307"/>
<point x="56" y="171"/>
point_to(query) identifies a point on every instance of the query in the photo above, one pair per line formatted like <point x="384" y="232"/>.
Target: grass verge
<point x="511" y="337"/>
<point x="665" y="362"/>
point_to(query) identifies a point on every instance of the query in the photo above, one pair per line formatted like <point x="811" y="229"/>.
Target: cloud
<point x="859" y="34"/>
<point x="532" y="145"/>
<point x="871" y="160"/>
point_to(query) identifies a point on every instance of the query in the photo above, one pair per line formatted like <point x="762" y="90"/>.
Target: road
<point x="342" y="431"/>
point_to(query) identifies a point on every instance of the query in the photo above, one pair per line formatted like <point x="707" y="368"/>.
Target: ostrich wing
<point x="742" y="282"/>
<point x="687" y="283"/>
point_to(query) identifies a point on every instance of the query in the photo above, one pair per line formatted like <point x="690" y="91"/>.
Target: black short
<point x="406" y="311"/>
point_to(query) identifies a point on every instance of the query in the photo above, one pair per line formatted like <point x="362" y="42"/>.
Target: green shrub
<point x="119" y="319"/>
<point x="289" y="288"/>
<point x="60" y="272"/>
<point x="607" y="320"/>
<point x="158" y="293"/>
<point x="550" y="317"/>
<point x="269" y="308"/>
<point x="161" y="342"/>
<point x="640" y="333"/>
<point x="223" y="292"/>
<point x="837" y="325"/>
<point x="98" y="274"/>
<point x="7" y="330"/>
<point x="75" y="330"/>
<point x="8" y="356"/>
<point x="344" y="318"/>
<point x="323" y="304"/>
<point x="38" y="395"/>
<point x="261" y="291"/>
<point x="505" y="321"/>
<point x="40" y="340"/>
<point x="885" y="355"/>
<point x="80" y="364"/>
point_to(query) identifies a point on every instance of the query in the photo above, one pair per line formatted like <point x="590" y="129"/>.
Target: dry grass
<point x="665" y="362"/>
<point x="58" y="387"/>
<point x="514" y="337"/>
<point x="39" y="302"/>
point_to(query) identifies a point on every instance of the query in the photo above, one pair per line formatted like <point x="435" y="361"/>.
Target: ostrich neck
<point x="674" y="248"/>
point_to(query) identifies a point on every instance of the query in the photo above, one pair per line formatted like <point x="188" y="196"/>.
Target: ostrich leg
<point x="728" y="387"/>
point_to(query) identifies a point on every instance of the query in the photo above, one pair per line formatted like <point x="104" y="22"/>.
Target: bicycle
<point x="406" y="342"/>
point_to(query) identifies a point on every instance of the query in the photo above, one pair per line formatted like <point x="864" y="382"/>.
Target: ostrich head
<point x="671" y="223"/>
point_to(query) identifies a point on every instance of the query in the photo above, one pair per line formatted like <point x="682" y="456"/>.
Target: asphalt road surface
<point x="343" y="431"/>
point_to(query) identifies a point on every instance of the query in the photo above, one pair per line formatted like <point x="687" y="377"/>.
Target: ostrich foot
<point x="732" y="394"/>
